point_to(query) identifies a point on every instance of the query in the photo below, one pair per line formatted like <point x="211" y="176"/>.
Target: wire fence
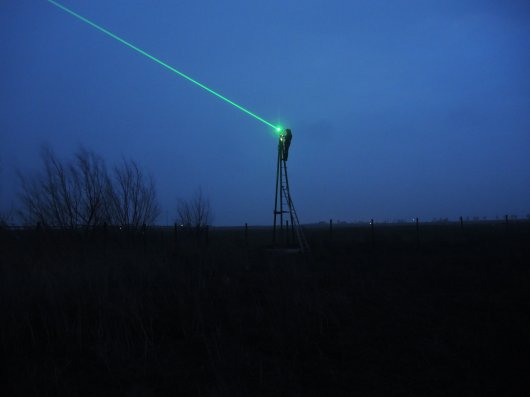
<point x="371" y="232"/>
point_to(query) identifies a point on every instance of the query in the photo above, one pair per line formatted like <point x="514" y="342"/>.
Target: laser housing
<point x="285" y="142"/>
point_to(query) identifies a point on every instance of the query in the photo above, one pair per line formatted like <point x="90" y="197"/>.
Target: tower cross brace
<point x="283" y="203"/>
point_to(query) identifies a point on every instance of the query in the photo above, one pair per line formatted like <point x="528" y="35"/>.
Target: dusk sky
<point x="398" y="108"/>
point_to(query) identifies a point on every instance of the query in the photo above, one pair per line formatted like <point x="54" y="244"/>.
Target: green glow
<point x="163" y="64"/>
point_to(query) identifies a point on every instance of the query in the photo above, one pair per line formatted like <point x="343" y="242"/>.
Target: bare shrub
<point x="196" y="212"/>
<point x="50" y="197"/>
<point x="91" y="175"/>
<point x="6" y="218"/>
<point x="67" y="194"/>
<point x="132" y="196"/>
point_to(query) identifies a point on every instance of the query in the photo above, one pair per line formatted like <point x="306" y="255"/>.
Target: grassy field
<point x="445" y="311"/>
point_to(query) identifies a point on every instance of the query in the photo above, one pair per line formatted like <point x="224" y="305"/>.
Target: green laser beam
<point x="277" y="128"/>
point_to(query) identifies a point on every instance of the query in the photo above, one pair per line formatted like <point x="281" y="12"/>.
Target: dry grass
<point x="143" y="315"/>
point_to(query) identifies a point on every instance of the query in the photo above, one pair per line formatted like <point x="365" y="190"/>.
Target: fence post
<point x="38" y="238"/>
<point x="142" y="231"/>
<point x="331" y="228"/>
<point x="418" y="230"/>
<point x="372" y="229"/>
<point x="246" y="233"/>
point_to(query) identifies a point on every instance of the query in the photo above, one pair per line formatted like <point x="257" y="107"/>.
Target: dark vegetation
<point x="110" y="312"/>
<point x="83" y="192"/>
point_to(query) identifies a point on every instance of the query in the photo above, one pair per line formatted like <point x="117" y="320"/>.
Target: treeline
<point x="83" y="192"/>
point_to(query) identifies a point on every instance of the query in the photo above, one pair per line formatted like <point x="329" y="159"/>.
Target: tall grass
<point x="145" y="314"/>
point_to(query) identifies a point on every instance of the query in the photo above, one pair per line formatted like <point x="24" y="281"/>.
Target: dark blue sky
<point x="398" y="108"/>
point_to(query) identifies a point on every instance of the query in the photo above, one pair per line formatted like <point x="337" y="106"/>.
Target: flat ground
<point x="445" y="311"/>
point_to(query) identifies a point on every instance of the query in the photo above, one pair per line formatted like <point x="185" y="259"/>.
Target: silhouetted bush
<point x="82" y="192"/>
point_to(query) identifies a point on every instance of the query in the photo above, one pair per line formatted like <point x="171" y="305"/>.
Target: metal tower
<point x="283" y="203"/>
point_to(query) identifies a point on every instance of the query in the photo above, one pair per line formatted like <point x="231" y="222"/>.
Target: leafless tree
<point x="5" y="218"/>
<point x="132" y="196"/>
<point x="51" y="197"/>
<point x="91" y="175"/>
<point x="196" y="213"/>
<point x="81" y="192"/>
<point x="32" y="205"/>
